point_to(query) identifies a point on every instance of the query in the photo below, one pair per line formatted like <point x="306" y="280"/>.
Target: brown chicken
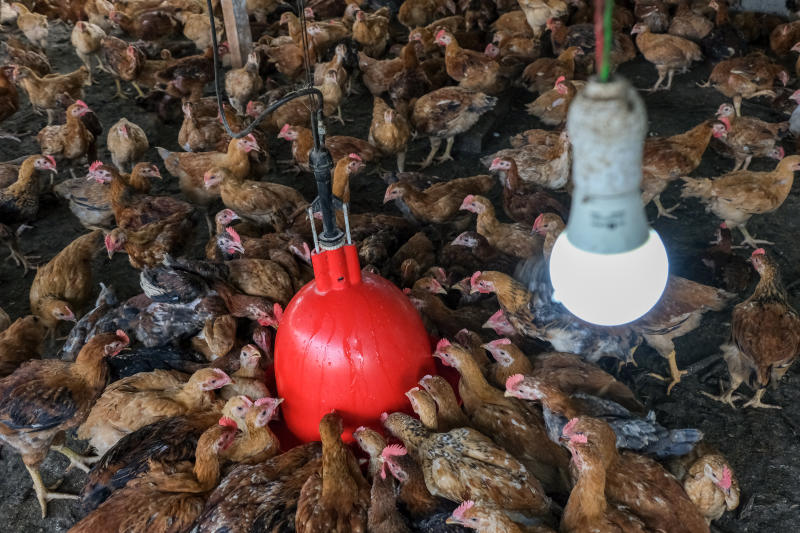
<point x="199" y="133"/>
<point x="634" y="481"/>
<point x="44" y="398"/>
<point x="551" y="106"/>
<point x="243" y="84"/>
<point x="261" y="202"/>
<point x="148" y="227"/>
<point x="415" y="13"/>
<point x="127" y="143"/>
<point x="737" y="196"/>
<point x="124" y="61"/>
<point x="708" y="480"/>
<point x="749" y="137"/>
<point x="377" y="74"/>
<point x="169" y="497"/>
<point x="728" y="270"/>
<point x="87" y="39"/>
<point x="688" y="24"/>
<point x="746" y="77"/>
<point x="765" y="335"/>
<point x="21" y="341"/>
<point x="197" y="28"/>
<point x="9" y="100"/>
<point x="146" y="24"/>
<point x="187" y="77"/>
<point x="445" y="113"/>
<point x="523" y="203"/>
<point x="71" y="140"/>
<point x="783" y="37"/>
<point x="464" y="463"/>
<point x="472" y="70"/>
<point x="440" y="202"/>
<point x="389" y="132"/>
<point x="545" y="160"/>
<point x="44" y="93"/>
<point x="513" y="239"/>
<point x="249" y="379"/>
<point x="523" y="434"/>
<point x="371" y="31"/>
<point x="258" y="443"/>
<point x="190" y="168"/>
<point x="549" y="226"/>
<point x="33" y="25"/>
<point x="541" y="75"/>
<point x="486" y="519"/>
<point x="588" y="508"/>
<point x="336" y="498"/>
<point x="338" y="145"/>
<point x="667" y="52"/>
<point x="509" y="360"/>
<point x="668" y="158"/>
<point x="537" y="12"/>
<point x="261" y="277"/>
<point x="144" y="398"/>
<point x="19" y="202"/>
<point x="63" y="286"/>
<point x="15" y="52"/>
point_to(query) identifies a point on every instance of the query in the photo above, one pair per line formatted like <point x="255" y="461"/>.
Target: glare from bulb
<point x="609" y="289"/>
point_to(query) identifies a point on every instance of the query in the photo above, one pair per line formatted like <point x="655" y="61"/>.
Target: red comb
<point x="723" y="226"/>
<point x="496" y="160"/>
<point x="51" y="159"/>
<point x="234" y="235"/>
<point x="284" y="129"/>
<point x="221" y="373"/>
<point x="393" y="450"/>
<point x="560" y="79"/>
<point x="384" y="416"/>
<point x="277" y="310"/>
<point x="569" y="427"/>
<point x="122" y="335"/>
<point x="94" y="166"/>
<point x="459" y="512"/>
<point x="538" y="220"/>
<point x="726" y="479"/>
<point x="473" y="280"/>
<point x="513" y="381"/>
<point x="759" y="251"/>
<point x="726" y="121"/>
<point x="578" y="439"/>
<point x="439" y="34"/>
<point x="228" y="422"/>
<point x="497" y="316"/>
<point x="81" y="103"/>
<point x="355" y="156"/>
<point x="263" y="401"/>
<point x="442" y="344"/>
<point x="500" y="342"/>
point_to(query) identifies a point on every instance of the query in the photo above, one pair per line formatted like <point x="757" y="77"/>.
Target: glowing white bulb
<point x="609" y="289"/>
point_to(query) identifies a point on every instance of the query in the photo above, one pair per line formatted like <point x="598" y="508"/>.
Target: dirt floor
<point x="762" y="445"/>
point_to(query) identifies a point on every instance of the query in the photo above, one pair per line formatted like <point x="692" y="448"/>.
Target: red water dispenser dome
<point x="348" y="341"/>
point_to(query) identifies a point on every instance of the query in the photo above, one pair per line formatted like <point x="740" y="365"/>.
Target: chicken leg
<point x="755" y="401"/>
<point x="675" y="373"/>
<point x="662" y="211"/>
<point x="749" y="240"/>
<point x="81" y="462"/>
<point x="43" y="494"/>
<point x="446" y="156"/>
<point x="119" y="93"/>
<point x="87" y="62"/>
<point x="436" y="142"/>
<point x="401" y="161"/>
<point x="138" y="89"/>
<point x="661" y="75"/>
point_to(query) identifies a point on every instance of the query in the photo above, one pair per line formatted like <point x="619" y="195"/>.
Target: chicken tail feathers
<point x="163" y="153"/>
<point x="675" y="443"/>
<point x="692" y="187"/>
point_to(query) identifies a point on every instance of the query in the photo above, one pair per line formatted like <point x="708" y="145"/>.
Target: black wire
<point x="272" y="107"/>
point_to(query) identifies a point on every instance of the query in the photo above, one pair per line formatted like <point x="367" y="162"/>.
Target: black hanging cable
<point x="319" y="158"/>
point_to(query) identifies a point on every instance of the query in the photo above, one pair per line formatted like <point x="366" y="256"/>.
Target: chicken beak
<point x="388" y="196"/>
<point x="452" y="521"/>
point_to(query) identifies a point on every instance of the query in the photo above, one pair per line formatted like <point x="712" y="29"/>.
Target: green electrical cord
<point x="608" y="38"/>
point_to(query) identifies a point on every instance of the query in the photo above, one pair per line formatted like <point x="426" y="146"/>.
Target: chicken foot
<point x="119" y="93"/>
<point x="436" y="142"/>
<point x="749" y="240"/>
<point x="662" y="211"/>
<point x="446" y="156"/>
<point x="675" y="373"/>
<point x="661" y="75"/>
<point x="138" y="89"/>
<point x="43" y="494"/>
<point x="81" y="462"/>
<point x="755" y="401"/>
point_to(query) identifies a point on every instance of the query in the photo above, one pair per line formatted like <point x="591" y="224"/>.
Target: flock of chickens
<point x="173" y="388"/>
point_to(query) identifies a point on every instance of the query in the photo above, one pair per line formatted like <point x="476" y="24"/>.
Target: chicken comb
<point x="252" y="138"/>
<point x="726" y="479"/>
<point x="758" y="251"/>
<point x="355" y="156"/>
<point x="727" y="122"/>
<point x="284" y="130"/>
<point x="245" y="400"/>
<point x="473" y="279"/>
<point x="442" y="345"/>
<point x="394" y="450"/>
<point x="122" y="335"/>
<point x="234" y="235"/>
<point x="560" y="79"/>
<point x="94" y="166"/>
<point x="460" y="512"/>
<point x="537" y="223"/>
<point x="723" y="226"/>
<point x="497" y="317"/>
<point x="51" y="159"/>
<point x="496" y="160"/>
<point x="384" y="417"/>
<point x="781" y="152"/>
<point x="503" y="341"/>
<point x="263" y="338"/>
<point x="569" y="427"/>
<point x="264" y="401"/>
<point x="439" y="34"/>
<point x="221" y="374"/>
<point x="277" y="310"/>
<point x="228" y="422"/>
<point x="81" y="103"/>
<point x="513" y="381"/>
<point x="578" y="438"/>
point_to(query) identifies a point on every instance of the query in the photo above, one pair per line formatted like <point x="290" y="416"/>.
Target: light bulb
<point x="608" y="289"/>
<point x="608" y="267"/>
